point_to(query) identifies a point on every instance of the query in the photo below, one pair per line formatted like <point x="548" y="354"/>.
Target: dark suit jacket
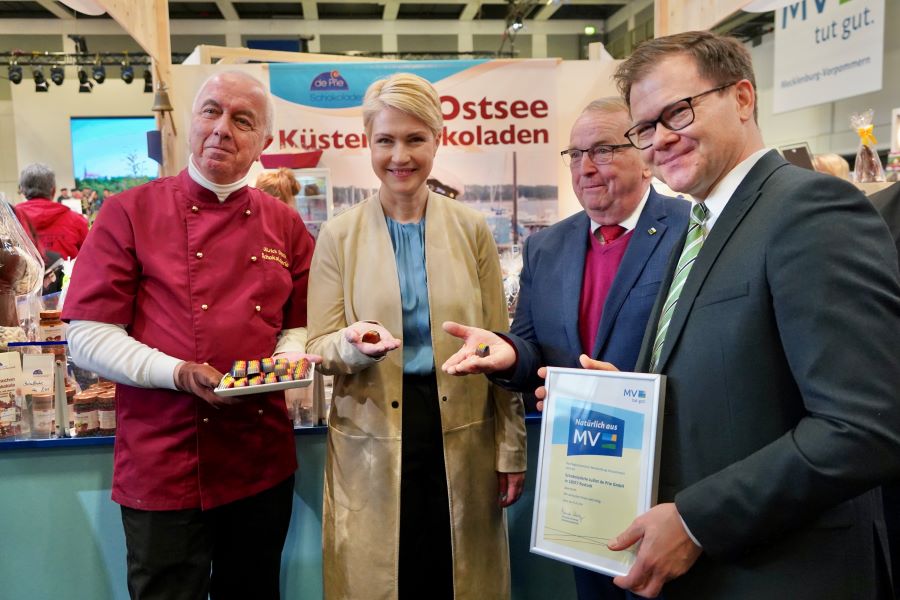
<point x="887" y="201"/>
<point x="545" y="329"/>
<point x="782" y="410"/>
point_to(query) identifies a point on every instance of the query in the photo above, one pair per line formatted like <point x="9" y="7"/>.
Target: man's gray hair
<point x="609" y="104"/>
<point x="270" y="105"/>
<point x="37" y="180"/>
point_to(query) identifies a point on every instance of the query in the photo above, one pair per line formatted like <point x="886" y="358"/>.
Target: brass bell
<point x="161" y="102"/>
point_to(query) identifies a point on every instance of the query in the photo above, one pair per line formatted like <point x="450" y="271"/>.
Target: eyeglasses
<point x="600" y="154"/>
<point x="674" y="117"/>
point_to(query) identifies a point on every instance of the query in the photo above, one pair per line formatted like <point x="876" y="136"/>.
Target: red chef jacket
<point x="202" y="281"/>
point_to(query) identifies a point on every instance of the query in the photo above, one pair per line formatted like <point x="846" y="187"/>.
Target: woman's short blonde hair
<point x="833" y="164"/>
<point x="281" y="183"/>
<point x="407" y="93"/>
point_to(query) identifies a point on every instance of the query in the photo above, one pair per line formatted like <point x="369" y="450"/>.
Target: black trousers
<point x="426" y="559"/>
<point x="228" y="552"/>
<point x="590" y="585"/>
<point x="891" y="496"/>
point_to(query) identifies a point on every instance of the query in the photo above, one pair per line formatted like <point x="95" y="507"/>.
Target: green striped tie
<point x="692" y="244"/>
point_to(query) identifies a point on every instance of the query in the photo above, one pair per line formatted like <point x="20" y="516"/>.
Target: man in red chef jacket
<point x="177" y="279"/>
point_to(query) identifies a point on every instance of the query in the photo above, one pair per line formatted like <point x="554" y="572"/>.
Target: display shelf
<point x="314" y="208"/>
<point x="107" y="440"/>
<point x="58" y="443"/>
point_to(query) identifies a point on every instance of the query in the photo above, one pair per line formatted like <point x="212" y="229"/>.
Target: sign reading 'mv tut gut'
<point x="826" y="50"/>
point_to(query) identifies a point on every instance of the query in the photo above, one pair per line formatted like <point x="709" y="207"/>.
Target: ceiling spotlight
<point x="84" y="84"/>
<point x="15" y="74"/>
<point x="589" y="30"/>
<point x="148" y="82"/>
<point x="57" y="74"/>
<point x="99" y="73"/>
<point x="40" y="82"/>
<point x="127" y="73"/>
<point x="514" y="25"/>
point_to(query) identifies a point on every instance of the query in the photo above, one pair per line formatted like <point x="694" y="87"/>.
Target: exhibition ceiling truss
<point x="747" y="26"/>
<point x="89" y="68"/>
<point x="505" y="18"/>
<point x="387" y="10"/>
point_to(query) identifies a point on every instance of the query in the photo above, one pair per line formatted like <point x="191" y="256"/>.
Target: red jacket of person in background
<point x="58" y="227"/>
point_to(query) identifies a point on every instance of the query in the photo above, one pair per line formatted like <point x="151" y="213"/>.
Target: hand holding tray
<point x="251" y="377"/>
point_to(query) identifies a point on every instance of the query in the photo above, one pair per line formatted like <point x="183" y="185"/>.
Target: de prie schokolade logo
<point x="329" y="81"/>
<point x="595" y="433"/>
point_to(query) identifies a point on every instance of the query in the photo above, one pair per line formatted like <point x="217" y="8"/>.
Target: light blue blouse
<point x="409" y="251"/>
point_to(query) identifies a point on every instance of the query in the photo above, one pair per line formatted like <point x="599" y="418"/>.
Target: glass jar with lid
<point x="87" y="421"/>
<point x="43" y="416"/>
<point x="106" y="411"/>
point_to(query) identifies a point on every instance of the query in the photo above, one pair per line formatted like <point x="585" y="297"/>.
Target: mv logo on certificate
<point x="597" y="466"/>
<point x="595" y="433"/>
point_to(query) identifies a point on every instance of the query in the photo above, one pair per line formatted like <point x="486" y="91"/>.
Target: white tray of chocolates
<point x="266" y="375"/>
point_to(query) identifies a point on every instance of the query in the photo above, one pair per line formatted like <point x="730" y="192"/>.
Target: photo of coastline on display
<point x="481" y="181"/>
<point x="266" y="375"/>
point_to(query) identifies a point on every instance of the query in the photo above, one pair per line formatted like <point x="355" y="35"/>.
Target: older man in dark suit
<point x="777" y="331"/>
<point x="588" y="283"/>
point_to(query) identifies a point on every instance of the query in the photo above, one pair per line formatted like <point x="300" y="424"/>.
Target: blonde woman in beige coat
<point x="419" y="464"/>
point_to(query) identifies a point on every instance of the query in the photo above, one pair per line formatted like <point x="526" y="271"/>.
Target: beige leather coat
<point x="354" y="277"/>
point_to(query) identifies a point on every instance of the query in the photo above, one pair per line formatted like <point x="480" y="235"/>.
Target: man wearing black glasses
<point x="777" y="329"/>
<point x="587" y="283"/>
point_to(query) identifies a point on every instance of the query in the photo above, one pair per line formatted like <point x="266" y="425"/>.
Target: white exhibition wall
<point x="8" y="155"/>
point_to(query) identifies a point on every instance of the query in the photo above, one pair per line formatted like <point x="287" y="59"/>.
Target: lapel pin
<point x="652" y="231"/>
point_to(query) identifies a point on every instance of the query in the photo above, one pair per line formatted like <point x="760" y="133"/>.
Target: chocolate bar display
<point x="265" y="375"/>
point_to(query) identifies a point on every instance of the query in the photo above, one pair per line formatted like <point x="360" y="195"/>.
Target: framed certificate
<point x="598" y="464"/>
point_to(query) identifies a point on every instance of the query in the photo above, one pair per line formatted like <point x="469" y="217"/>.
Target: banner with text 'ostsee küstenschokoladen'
<point x="499" y="129"/>
<point x="826" y="50"/>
